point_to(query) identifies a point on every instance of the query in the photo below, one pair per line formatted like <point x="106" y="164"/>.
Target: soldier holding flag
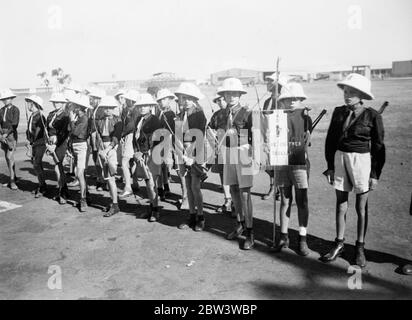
<point x="294" y="175"/>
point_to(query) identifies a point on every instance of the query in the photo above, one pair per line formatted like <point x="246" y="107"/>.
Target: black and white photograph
<point x="205" y="155"/>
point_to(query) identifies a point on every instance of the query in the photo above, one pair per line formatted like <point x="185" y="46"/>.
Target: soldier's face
<point x="270" y="85"/>
<point x="121" y="100"/>
<point x="129" y="103"/>
<point x="94" y="101"/>
<point x="351" y="96"/>
<point x="232" y="98"/>
<point x="187" y="101"/>
<point x="108" y="112"/>
<point x="146" y="109"/>
<point x="7" y="101"/>
<point x="164" y="103"/>
<point x="58" y="105"/>
<point x="221" y="103"/>
<point x="31" y="106"/>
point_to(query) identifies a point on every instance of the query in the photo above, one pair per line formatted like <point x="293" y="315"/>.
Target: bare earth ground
<point x="124" y="257"/>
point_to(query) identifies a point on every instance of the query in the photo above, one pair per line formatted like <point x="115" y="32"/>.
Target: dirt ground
<point x="125" y="257"/>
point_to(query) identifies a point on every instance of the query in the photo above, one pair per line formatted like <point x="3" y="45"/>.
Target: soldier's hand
<point x="53" y="139"/>
<point x="373" y="184"/>
<point x="138" y="156"/>
<point x="73" y="116"/>
<point x="330" y="176"/>
<point x="307" y="137"/>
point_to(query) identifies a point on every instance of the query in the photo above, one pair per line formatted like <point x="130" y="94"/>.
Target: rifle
<point x="317" y="120"/>
<point x="53" y="153"/>
<point x="29" y="151"/>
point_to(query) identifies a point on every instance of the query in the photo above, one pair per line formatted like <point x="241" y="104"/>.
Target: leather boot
<point x="282" y="244"/>
<point x="166" y="189"/>
<point x="40" y="191"/>
<point x="189" y="223"/>
<point x="83" y="205"/>
<point x="154" y="215"/>
<point x="237" y="232"/>
<point x="200" y="223"/>
<point x="407" y="269"/>
<point x="12" y="185"/>
<point x="335" y="252"/>
<point x="63" y="195"/>
<point x="250" y="240"/>
<point x="303" y="246"/>
<point x="114" y="208"/>
<point x="360" y="254"/>
<point x="161" y="193"/>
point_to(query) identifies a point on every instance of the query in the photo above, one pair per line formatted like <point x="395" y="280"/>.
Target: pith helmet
<point x="292" y="90"/>
<point x="165" y="93"/>
<point x="189" y="89"/>
<point x="283" y="79"/>
<point x="108" y="102"/>
<point x="97" y="93"/>
<point x="58" y="97"/>
<point x="6" y="94"/>
<point x="37" y="101"/>
<point x="358" y="82"/>
<point x="74" y="87"/>
<point x="145" y="99"/>
<point x="81" y="100"/>
<point x="121" y="92"/>
<point x="132" y="95"/>
<point x="231" y="84"/>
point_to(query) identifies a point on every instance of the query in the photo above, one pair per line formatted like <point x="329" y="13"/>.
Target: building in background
<point x="364" y="70"/>
<point x="381" y="73"/>
<point x="248" y="77"/>
<point x="402" y="68"/>
<point x="164" y="80"/>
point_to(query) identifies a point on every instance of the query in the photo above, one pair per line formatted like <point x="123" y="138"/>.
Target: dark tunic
<point x="365" y="135"/>
<point x="79" y="130"/>
<point x="35" y="133"/>
<point x="145" y="143"/>
<point x="129" y="120"/>
<point x="9" y="126"/>
<point x="114" y="129"/>
<point x="59" y="127"/>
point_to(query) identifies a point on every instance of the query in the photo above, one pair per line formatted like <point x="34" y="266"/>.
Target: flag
<point x="279" y="137"/>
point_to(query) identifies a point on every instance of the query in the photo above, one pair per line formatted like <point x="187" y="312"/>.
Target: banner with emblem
<point x="279" y="138"/>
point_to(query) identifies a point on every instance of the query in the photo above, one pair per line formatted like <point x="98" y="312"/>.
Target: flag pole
<point x="274" y="168"/>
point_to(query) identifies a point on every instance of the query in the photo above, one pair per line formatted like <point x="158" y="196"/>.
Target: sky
<point x="133" y="39"/>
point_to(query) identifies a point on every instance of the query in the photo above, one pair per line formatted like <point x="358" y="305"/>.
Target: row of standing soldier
<point x="355" y="152"/>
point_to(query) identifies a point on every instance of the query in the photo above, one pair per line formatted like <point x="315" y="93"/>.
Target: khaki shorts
<point x="235" y="172"/>
<point x="352" y="171"/>
<point x="80" y="154"/>
<point x="12" y="143"/>
<point x="110" y="163"/>
<point x="287" y="176"/>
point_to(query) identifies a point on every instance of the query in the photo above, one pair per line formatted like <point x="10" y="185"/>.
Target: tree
<point x="44" y="78"/>
<point x="60" y="76"/>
